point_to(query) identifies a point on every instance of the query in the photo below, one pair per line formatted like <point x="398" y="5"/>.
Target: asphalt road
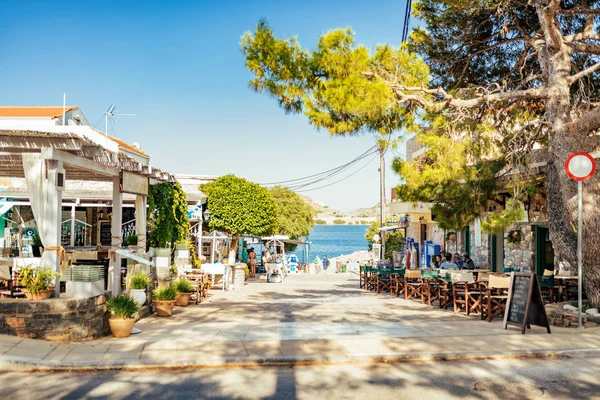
<point x="498" y="379"/>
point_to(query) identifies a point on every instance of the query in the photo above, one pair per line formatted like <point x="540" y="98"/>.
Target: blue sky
<point x="178" y="66"/>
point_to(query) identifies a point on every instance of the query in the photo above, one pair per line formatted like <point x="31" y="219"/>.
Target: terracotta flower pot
<point x="39" y="295"/>
<point x="164" y="308"/>
<point x="121" y="327"/>
<point x="452" y="237"/>
<point x="183" y="299"/>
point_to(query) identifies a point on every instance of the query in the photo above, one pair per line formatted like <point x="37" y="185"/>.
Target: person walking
<point x="325" y="262"/>
<point x="252" y="262"/>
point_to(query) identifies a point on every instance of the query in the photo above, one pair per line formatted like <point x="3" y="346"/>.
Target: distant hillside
<point x="327" y="216"/>
<point x="372" y="212"/>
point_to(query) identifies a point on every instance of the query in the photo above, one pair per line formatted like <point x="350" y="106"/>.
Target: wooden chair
<point x="397" y="282"/>
<point x="431" y="286"/>
<point x="445" y="289"/>
<point x="383" y="279"/>
<point x="362" y="276"/>
<point x="370" y="278"/>
<point x="465" y="292"/>
<point x="494" y="295"/>
<point x="547" y="287"/>
<point x="413" y="284"/>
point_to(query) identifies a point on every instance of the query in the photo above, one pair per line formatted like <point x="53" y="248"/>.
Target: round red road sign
<point x="580" y="166"/>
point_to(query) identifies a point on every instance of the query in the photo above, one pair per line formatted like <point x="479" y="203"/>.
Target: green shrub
<point x="166" y="293"/>
<point x="339" y="221"/>
<point x="321" y="222"/>
<point x="131" y="240"/>
<point x="36" y="279"/>
<point x="121" y="306"/>
<point x="183" y="286"/>
<point x="140" y="281"/>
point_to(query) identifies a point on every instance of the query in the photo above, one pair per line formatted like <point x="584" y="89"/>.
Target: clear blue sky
<point x="178" y="65"/>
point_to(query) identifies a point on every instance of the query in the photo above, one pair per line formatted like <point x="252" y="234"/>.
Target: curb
<point x="23" y="364"/>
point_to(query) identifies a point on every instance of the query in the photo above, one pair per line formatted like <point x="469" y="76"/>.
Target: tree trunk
<point x="561" y="190"/>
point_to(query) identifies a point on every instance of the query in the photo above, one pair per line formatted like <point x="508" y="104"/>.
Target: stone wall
<point x="55" y="319"/>
<point x="522" y="254"/>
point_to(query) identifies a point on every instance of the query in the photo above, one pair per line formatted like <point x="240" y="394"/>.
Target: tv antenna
<point x="109" y="114"/>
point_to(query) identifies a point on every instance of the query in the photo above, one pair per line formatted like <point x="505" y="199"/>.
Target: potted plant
<point x="451" y="236"/>
<point x="131" y="240"/>
<point x="36" y="245"/>
<point x="184" y="289"/>
<point x="139" y="283"/>
<point x="37" y="282"/>
<point x="164" y="300"/>
<point x="514" y="236"/>
<point x="122" y="309"/>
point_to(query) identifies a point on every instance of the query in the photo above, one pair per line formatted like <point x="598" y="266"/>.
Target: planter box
<point x="85" y="289"/>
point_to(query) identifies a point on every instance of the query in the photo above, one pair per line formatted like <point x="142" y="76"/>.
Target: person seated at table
<point x="457" y="260"/>
<point x="437" y="261"/>
<point x="448" y="264"/>
<point x="467" y="262"/>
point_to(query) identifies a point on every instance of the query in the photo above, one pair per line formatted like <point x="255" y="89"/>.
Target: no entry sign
<point x="580" y="166"/>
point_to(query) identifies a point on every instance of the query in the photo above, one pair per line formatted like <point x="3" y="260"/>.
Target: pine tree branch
<point x="586" y="124"/>
<point x="584" y="73"/>
<point x="587" y="48"/>
<point x="449" y="101"/>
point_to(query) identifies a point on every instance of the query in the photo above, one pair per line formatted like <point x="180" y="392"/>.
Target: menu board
<point x="525" y="305"/>
<point x="105" y="233"/>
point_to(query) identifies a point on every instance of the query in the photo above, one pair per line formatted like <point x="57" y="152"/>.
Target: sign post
<point x="580" y="166"/>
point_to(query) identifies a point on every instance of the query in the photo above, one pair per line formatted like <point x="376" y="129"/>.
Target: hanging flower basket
<point x="451" y="236"/>
<point x="514" y="236"/>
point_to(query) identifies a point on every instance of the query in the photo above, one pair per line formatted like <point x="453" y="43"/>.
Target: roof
<point x="37" y="111"/>
<point x="122" y="144"/>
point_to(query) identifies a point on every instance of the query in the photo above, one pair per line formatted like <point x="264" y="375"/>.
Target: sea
<point x="335" y="240"/>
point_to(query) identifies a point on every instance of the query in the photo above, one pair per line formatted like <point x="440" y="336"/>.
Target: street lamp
<point x="204" y="216"/>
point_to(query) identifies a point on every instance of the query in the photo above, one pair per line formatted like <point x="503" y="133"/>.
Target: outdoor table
<point x="563" y="283"/>
<point x="218" y="269"/>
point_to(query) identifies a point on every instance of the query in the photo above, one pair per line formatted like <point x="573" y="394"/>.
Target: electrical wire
<point x="337" y="172"/>
<point x="406" y="20"/>
<point x="329" y="171"/>
<point x="339" y="180"/>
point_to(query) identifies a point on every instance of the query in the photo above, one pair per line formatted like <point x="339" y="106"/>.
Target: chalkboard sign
<point x="105" y="233"/>
<point x="525" y="305"/>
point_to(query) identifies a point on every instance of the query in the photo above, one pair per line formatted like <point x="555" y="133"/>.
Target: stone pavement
<point x="306" y="319"/>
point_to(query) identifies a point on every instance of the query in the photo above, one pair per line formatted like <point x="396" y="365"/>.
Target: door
<point x="423" y="234"/>
<point x="544" y="251"/>
<point x="497" y="247"/>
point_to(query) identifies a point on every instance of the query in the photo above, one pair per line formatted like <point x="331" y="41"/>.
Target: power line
<point x="339" y="180"/>
<point x="320" y="174"/>
<point x="406" y="20"/>
<point x="332" y="174"/>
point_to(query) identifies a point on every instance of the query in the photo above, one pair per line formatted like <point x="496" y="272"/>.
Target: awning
<point x="390" y="228"/>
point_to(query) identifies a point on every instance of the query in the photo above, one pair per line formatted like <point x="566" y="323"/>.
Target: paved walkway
<point x="306" y="319"/>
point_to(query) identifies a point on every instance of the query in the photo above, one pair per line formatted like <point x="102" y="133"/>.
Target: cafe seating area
<point x="469" y="292"/>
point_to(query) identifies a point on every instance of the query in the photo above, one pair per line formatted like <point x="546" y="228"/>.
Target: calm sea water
<point x="335" y="240"/>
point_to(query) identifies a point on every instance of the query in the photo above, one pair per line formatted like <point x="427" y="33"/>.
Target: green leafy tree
<point x="394" y="240"/>
<point x="538" y="57"/>
<point x="167" y="214"/>
<point x="329" y="84"/>
<point x="238" y="206"/>
<point x="294" y="215"/>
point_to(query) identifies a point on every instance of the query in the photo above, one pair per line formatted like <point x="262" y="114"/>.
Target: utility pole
<point x="382" y="196"/>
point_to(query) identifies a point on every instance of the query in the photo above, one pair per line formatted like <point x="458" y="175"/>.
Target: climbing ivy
<point x="167" y="214"/>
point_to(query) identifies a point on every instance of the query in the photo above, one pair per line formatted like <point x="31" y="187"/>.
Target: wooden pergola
<point x="71" y="153"/>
